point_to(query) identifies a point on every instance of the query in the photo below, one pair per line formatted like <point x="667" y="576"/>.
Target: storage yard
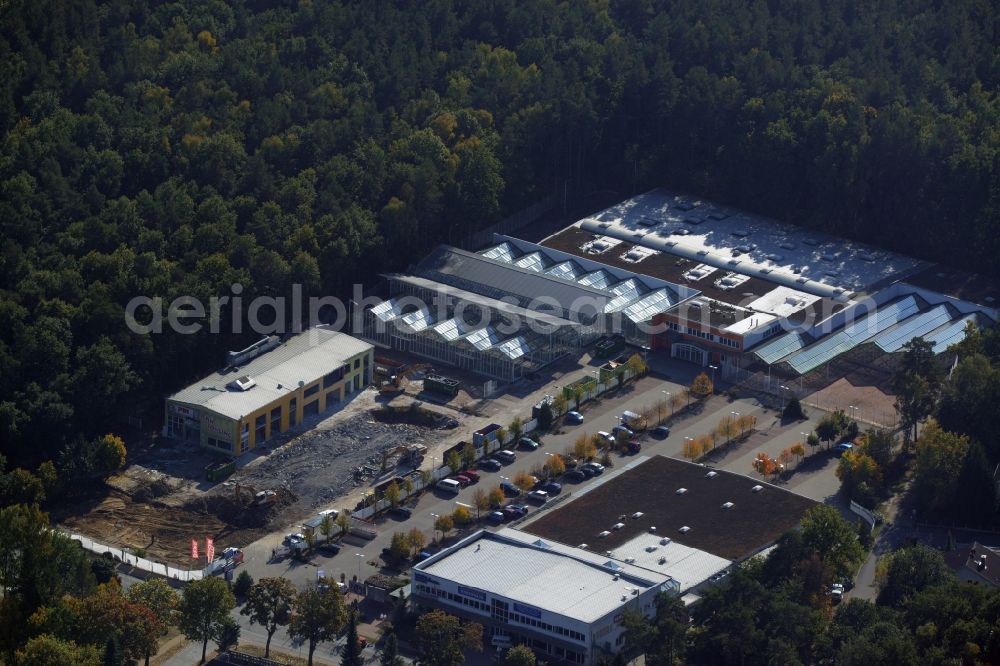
<point x="161" y="504"/>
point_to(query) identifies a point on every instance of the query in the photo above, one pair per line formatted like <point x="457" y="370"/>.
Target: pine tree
<point x="390" y="649"/>
<point x="351" y="656"/>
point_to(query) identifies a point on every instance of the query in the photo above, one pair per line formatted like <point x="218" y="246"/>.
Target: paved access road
<point x="360" y="558"/>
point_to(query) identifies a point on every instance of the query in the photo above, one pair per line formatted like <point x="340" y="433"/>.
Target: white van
<point x="449" y="485"/>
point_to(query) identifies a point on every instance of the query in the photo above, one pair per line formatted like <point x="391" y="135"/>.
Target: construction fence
<point x="141" y="563"/>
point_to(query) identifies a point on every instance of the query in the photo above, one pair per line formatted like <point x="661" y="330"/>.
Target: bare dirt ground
<point x="161" y="501"/>
<point x="871" y="403"/>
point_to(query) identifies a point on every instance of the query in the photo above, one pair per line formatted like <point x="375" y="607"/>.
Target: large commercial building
<point x="563" y="602"/>
<point x="560" y="582"/>
<point x="705" y="283"/>
<point x="268" y="388"/>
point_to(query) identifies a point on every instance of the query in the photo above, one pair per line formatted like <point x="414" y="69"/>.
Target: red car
<point x="463" y="480"/>
<point x="472" y="475"/>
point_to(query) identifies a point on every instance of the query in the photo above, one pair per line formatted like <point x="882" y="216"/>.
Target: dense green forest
<point x="167" y="148"/>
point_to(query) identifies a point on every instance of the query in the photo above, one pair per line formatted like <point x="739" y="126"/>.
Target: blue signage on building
<point x="528" y="610"/>
<point x="469" y="592"/>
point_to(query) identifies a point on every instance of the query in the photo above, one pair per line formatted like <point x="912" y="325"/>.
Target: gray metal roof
<point x="546" y="575"/>
<point x="476" y="273"/>
<point x="303" y="358"/>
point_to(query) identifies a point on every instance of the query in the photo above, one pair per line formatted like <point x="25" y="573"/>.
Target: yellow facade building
<point x="268" y="388"/>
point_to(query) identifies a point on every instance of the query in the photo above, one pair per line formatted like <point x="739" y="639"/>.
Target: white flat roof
<point x="303" y="358"/>
<point x="783" y="301"/>
<point x="544" y="574"/>
<point x="688" y="566"/>
<point x="800" y="258"/>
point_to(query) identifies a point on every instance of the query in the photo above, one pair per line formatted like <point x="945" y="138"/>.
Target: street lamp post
<point x="736" y="416"/>
<point x="784" y="396"/>
<point x="360" y="557"/>
<point x="714" y="368"/>
<point x="853" y="409"/>
<point x="434" y="529"/>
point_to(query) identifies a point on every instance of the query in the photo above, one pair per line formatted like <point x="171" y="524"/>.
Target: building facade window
<point x="332" y="378"/>
<point x="276" y="419"/>
<point x="312" y="390"/>
<point x="260" y="425"/>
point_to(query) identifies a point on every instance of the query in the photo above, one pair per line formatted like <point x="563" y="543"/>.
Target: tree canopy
<point x="167" y="149"/>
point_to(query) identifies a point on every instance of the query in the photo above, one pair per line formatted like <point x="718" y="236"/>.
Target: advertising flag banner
<point x="209" y="549"/>
<point x="194" y="549"/>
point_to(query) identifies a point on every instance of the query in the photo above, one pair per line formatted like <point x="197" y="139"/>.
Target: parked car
<point x="292" y="539"/>
<point x="574" y="417"/>
<point x="495" y="517"/>
<point x="596" y="468"/>
<point x="587" y="472"/>
<point x="606" y="436"/>
<point x="329" y="549"/>
<point x="539" y="496"/>
<point x="552" y="488"/>
<point x="490" y="465"/>
<point x="633" y="447"/>
<point x="472" y="475"/>
<point x="421" y="556"/>
<point x="660" y="432"/>
<point x="575" y="476"/>
<point x="836" y="593"/>
<point x="528" y="443"/>
<point x="389" y="557"/>
<point x="621" y="432"/>
<point x="843" y="447"/>
<point x="510" y="514"/>
<point x="509" y="489"/>
<point x="521" y="509"/>
<point x="400" y="512"/>
<point x="506" y="456"/>
<point x="463" y="480"/>
<point x="449" y="485"/>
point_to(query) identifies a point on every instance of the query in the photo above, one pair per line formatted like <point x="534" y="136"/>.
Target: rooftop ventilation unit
<point x="662" y="560"/>
<point x="244" y="383"/>
<point x="684" y="530"/>
<point x="635" y="592"/>
<point x="604" y="535"/>
<point x="757" y="489"/>
<point x="650" y="549"/>
<point x="582" y="546"/>
<point x="253" y="351"/>
<point x="682" y="231"/>
<point x="681" y="491"/>
<point x="664" y="541"/>
<point x="615" y="577"/>
<point x="741" y="233"/>
<point x="712" y="475"/>
<point x="786" y="246"/>
<point x="637" y="514"/>
<point x="652" y="529"/>
<point x="728" y="505"/>
<point x="629" y="560"/>
<point x="618" y="526"/>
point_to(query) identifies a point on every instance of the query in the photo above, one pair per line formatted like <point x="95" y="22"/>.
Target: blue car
<point x="552" y="488"/>
<point x="495" y="517"/>
<point x="509" y="489"/>
<point x="421" y="556"/>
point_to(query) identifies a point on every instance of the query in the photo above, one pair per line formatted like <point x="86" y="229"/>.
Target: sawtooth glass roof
<point x="387" y="310"/>
<point x="782" y="346"/>
<point x="514" y="347"/>
<point x="951" y="334"/>
<point x="852" y="336"/>
<point x="916" y="326"/>
<point x="418" y="320"/>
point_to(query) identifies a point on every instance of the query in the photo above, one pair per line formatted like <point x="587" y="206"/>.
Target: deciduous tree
<point x="443" y="640"/>
<point x="203" y="609"/>
<point x="318" y="615"/>
<point x="269" y="604"/>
